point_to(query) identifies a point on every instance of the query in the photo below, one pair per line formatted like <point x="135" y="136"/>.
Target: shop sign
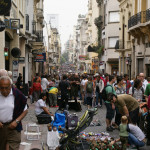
<point x="21" y="59"/>
<point x="40" y="57"/>
<point x="82" y="57"/>
<point x="2" y="26"/>
<point x="5" y="6"/>
<point x="15" y="70"/>
<point x="101" y="63"/>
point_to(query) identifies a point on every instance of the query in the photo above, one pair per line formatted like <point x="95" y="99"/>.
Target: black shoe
<point x="109" y="129"/>
<point x="112" y="127"/>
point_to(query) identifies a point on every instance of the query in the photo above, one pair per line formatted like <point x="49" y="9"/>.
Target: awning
<point x="91" y="49"/>
<point x="113" y="60"/>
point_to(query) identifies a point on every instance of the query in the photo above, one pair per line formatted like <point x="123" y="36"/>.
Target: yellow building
<point x="54" y="51"/>
<point x="139" y="28"/>
<point x="13" y="39"/>
<point x="92" y="36"/>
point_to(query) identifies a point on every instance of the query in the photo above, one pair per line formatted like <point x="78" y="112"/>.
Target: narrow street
<point x="70" y="50"/>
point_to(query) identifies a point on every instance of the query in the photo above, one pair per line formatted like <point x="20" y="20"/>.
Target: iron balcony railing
<point x="148" y="15"/>
<point x="140" y="17"/>
<point x="39" y="35"/>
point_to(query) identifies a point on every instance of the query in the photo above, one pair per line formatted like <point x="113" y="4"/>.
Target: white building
<point x="110" y="34"/>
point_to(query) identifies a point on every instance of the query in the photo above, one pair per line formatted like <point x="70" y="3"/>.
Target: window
<point x="114" y="17"/>
<point x="27" y="22"/>
<point x="112" y="41"/>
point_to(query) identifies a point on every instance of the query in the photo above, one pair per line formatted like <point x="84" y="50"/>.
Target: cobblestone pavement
<point x="30" y="118"/>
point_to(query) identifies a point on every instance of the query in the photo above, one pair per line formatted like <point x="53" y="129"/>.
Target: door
<point x="114" y="69"/>
<point x="148" y="70"/>
<point x="140" y="65"/>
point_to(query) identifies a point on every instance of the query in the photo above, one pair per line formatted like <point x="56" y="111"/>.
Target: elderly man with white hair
<point x="13" y="108"/>
<point x="144" y="81"/>
<point x="3" y="72"/>
<point x="9" y="74"/>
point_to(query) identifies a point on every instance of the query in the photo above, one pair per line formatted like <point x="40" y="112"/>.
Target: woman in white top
<point x="137" y="91"/>
<point x="40" y="106"/>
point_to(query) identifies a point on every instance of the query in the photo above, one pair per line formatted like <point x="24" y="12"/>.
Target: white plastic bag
<point x="53" y="139"/>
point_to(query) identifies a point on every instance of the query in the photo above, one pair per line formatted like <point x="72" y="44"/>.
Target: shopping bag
<point x="59" y="120"/>
<point x="53" y="139"/>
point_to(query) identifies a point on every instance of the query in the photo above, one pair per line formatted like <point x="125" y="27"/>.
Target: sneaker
<point x="113" y="128"/>
<point x="132" y="147"/>
<point x="109" y="129"/>
<point x="99" y="106"/>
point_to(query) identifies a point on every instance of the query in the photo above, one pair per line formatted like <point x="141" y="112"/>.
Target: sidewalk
<point x="30" y="118"/>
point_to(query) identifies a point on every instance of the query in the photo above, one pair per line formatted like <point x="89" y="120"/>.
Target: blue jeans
<point x="98" y="96"/>
<point x="133" y="140"/>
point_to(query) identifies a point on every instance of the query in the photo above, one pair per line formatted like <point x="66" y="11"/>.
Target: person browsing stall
<point x="126" y="104"/>
<point x="40" y="106"/>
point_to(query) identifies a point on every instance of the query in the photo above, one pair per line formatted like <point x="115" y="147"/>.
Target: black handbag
<point x="44" y="119"/>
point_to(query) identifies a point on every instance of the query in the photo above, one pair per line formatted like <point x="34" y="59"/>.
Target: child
<point x="53" y="95"/>
<point x="123" y="132"/>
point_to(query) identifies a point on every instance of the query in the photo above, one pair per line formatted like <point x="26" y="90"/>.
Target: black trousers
<point x="148" y="126"/>
<point x="63" y="102"/>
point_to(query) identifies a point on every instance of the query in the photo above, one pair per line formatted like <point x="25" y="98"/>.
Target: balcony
<point x="56" y="43"/>
<point x="39" y="35"/>
<point x="138" y="26"/>
<point x="141" y="17"/>
<point x="40" y="15"/>
<point x="122" y="46"/>
<point x="56" y="55"/>
<point x="119" y="45"/>
<point x="137" y="19"/>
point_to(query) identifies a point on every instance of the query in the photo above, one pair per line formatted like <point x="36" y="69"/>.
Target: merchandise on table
<point x="99" y="141"/>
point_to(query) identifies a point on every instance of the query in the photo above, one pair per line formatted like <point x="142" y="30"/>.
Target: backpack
<point x="142" y="89"/>
<point x="104" y="94"/>
<point x="89" y="87"/>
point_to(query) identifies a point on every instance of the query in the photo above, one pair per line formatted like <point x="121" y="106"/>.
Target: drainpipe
<point x="123" y="61"/>
<point x="144" y="60"/>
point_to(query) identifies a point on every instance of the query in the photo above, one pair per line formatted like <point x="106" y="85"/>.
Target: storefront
<point x="113" y="64"/>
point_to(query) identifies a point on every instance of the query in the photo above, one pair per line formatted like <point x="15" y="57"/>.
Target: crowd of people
<point x="122" y="98"/>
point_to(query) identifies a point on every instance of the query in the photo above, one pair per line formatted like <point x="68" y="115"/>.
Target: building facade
<point x="124" y="45"/>
<point x="53" y="50"/>
<point x="23" y="39"/>
<point x="138" y="27"/>
<point x="13" y="39"/>
<point x="110" y="34"/>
